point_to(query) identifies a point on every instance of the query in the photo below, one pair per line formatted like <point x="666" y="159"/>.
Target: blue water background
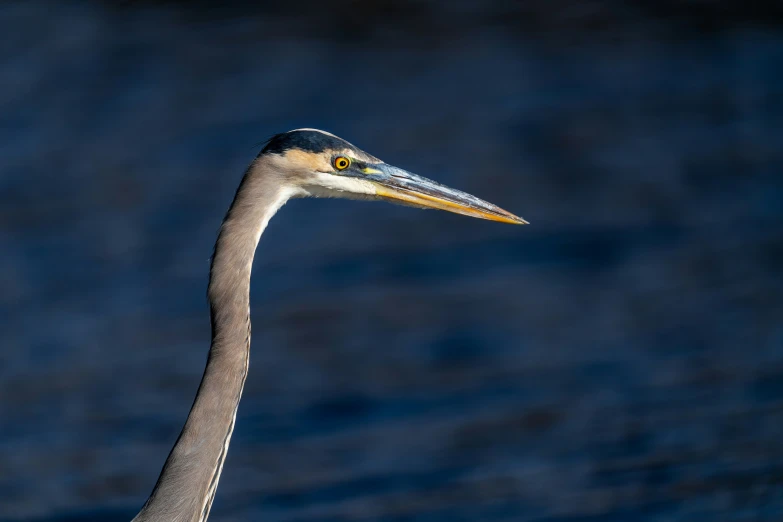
<point x="621" y="359"/>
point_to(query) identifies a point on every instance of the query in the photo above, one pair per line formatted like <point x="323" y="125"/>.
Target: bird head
<point x="320" y="164"/>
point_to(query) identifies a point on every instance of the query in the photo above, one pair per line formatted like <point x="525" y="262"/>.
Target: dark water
<point x="620" y="359"/>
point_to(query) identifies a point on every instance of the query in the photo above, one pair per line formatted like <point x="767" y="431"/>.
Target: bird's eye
<point x="341" y="163"/>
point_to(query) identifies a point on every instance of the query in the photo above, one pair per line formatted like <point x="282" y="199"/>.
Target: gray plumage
<point x="300" y="163"/>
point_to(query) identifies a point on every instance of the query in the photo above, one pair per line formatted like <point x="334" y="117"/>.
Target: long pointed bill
<point x="407" y="188"/>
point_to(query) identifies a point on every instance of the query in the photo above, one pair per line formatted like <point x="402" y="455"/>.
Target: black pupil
<point x="341" y="163"/>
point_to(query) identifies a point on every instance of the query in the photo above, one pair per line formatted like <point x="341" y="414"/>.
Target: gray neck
<point x="187" y="483"/>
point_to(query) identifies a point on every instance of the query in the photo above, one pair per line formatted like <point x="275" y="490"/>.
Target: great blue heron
<point x="299" y="163"/>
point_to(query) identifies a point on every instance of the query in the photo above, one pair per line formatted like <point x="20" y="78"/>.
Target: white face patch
<point x="332" y="186"/>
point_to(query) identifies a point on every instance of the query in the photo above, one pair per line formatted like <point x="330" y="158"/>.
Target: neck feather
<point x="187" y="483"/>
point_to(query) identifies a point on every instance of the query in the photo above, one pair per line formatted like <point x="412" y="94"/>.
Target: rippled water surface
<point x="620" y="359"/>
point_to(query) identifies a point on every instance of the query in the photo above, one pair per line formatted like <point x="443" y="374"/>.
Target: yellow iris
<point x="341" y="163"/>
